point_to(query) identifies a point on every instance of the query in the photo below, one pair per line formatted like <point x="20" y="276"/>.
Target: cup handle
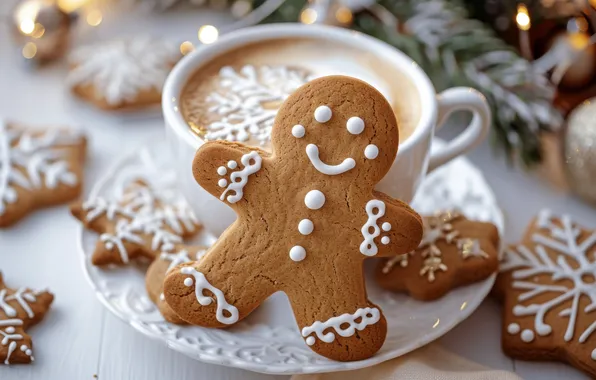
<point x="457" y="99"/>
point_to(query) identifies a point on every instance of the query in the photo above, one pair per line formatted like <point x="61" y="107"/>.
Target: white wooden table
<point x="79" y="339"/>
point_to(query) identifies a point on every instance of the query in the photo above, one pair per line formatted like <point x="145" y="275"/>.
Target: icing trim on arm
<point x="368" y="246"/>
<point x="201" y="284"/>
<point x="238" y="186"/>
<point x="312" y="151"/>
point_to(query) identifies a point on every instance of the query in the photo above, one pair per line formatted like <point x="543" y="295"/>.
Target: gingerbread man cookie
<point x="454" y="252"/>
<point x="38" y="168"/>
<point x="308" y="215"/>
<point x="548" y="287"/>
<point x="138" y="223"/>
<point x="179" y="254"/>
<point x="19" y="309"/>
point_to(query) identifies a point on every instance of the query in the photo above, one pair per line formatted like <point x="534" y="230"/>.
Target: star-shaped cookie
<point x="548" y="287"/>
<point x="138" y="223"/>
<point x="454" y="251"/>
<point x="38" y="168"/>
<point x="19" y="309"/>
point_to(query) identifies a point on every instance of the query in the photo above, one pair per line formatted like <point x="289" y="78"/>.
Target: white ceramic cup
<point x="414" y="158"/>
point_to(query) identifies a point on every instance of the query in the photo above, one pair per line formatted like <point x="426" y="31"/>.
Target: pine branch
<point x="455" y="50"/>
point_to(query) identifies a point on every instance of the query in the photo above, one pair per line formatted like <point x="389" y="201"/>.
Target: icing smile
<point x="312" y="151"/>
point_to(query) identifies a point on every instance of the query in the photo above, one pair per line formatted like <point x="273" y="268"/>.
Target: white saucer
<point x="268" y="340"/>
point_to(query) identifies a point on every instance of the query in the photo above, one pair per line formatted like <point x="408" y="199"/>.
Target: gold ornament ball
<point x="580" y="150"/>
<point x="42" y="28"/>
<point x="583" y="68"/>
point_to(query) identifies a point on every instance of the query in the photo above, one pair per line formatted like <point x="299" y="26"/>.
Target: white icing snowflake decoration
<point x="249" y="101"/>
<point x="32" y="160"/>
<point x="119" y="70"/>
<point x="568" y="273"/>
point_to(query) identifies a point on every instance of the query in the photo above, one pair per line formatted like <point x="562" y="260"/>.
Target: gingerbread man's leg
<point x="335" y="318"/>
<point x="222" y="288"/>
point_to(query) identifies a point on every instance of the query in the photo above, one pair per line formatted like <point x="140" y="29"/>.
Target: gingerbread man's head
<point x="328" y="127"/>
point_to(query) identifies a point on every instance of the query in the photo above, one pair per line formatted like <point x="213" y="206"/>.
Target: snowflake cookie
<point x="548" y="287"/>
<point x="454" y="252"/>
<point x="139" y="222"/>
<point x="38" y="168"/>
<point x="308" y="216"/>
<point x="168" y="259"/>
<point x="123" y="73"/>
<point x="19" y="309"/>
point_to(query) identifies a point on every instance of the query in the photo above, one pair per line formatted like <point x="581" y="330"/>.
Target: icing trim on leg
<point x="368" y="316"/>
<point x="201" y="284"/>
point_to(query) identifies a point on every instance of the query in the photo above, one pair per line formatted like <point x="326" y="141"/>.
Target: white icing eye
<point x="323" y="114"/>
<point x="355" y="125"/>
<point x="188" y="281"/>
<point x="298" y="131"/>
<point x="222" y="170"/>
<point x="371" y="151"/>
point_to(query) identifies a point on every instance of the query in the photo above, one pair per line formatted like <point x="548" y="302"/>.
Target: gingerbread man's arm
<point x="406" y="228"/>
<point x="227" y="170"/>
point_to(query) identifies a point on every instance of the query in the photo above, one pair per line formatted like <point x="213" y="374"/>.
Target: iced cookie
<point x="179" y="254"/>
<point x="38" y="168"/>
<point x="122" y="74"/>
<point x="308" y="215"/>
<point x="454" y="252"/>
<point x="140" y="222"/>
<point x="19" y="309"/>
<point x="548" y="287"/>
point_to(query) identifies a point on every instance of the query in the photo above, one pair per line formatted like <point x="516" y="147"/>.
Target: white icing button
<point x="305" y="227"/>
<point x="222" y="170"/>
<point x="314" y="199"/>
<point x="188" y="281"/>
<point x="222" y="182"/>
<point x="232" y="164"/>
<point x="385" y="240"/>
<point x="323" y="114"/>
<point x="24" y="348"/>
<point x="527" y="336"/>
<point x="297" y="253"/>
<point x="594" y="354"/>
<point x="298" y="131"/>
<point x="371" y="151"/>
<point x="310" y="340"/>
<point x="513" y="328"/>
<point x="386" y="226"/>
<point x="28" y="353"/>
<point x="355" y="125"/>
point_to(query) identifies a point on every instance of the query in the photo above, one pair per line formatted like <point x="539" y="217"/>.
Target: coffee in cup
<point x="235" y="96"/>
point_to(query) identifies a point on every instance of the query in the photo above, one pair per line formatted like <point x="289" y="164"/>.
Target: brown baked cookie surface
<point x="548" y="287"/>
<point x="137" y="223"/>
<point x="38" y="168"/>
<point x="156" y="273"/>
<point x="307" y="218"/>
<point x="19" y="309"/>
<point x="454" y="252"/>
